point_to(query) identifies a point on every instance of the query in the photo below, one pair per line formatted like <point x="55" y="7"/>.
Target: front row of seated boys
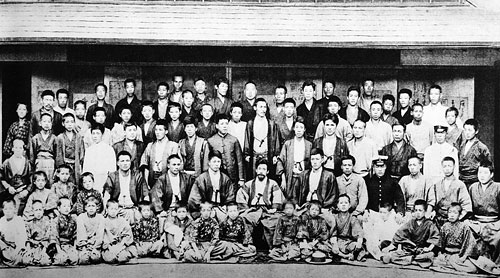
<point x="92" y="238"/>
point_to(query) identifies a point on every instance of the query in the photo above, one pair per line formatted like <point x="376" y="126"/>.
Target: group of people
<point x="197" y="178"/>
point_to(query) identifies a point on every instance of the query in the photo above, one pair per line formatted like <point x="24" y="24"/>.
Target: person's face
<point x="352" y="98"/>
<point x="124" y="163"/>
<point x="343" y="204"/>
<point x="69" y="123"/>
<point x="222" y="88"/>
<point x="347" y="166"/>
<point x="316" y="161"/>
<point x="314" y="211"/>
<point x="398" y="133"/>
<point x="88" y="183"/>
<point x="417" y="113"/>
<point x="91" y="208"/>
<point x="160" y="132"/>
<point x="100" y="93"/>
<point x="131" y="132"/>
<point x="126" y="115"/>
<point x="21" y="111"/>
<point x="453" y="214"/>
<point x="299" y="130"/>
<point x="182" y="213"/>
<point x="232" y="212"/>
<point x="484" y="175"/>
<point x="112" y="210"/>
<point x="451" y="118"/>
<point x="38" y="210"/>
<point x="376" y="111"/>
<point x="261" y="171"/>
<point x="80" y="111"/>
<point x="207" y="112"/>
<point x="414" y="166"/>
<point x="100" y="117"/>
<point x="308" y="92"/>
<point x="261" y="108"/>
<point x="222" y="126"/>
<point x="358" y="129"/>
<point x="147" y="112"/>
<point x="64" y="175"/>
<point x="330" y="127"/>
<point x="96" y="136"/>
<point x="384" y="213"/>
<point x="174" y="113"/>
<point x="65" y="207"/>
<point x="236" y="114"/>
<point x="9" y="210"/>
<point x="18" y="148"/>
<point x="178" y="81"/>
<point x="434" y="95"/>
<point x="40" y="182"/>
<point x="205" y="211"/>
<point x="188" y="99"/>
<point x="146" y="212"/>
<point x="368" y="87"/>
<point x="388" y="105"/>
<point x="404" y="100"/>
<point x="46" y="123"/>
<point x="250" y="91"/>
<point x="419" y="212"/>
<point x="279" y="95"/>
<point x="333" y="108"/>
<point x="289" y="108"/>
<point x="469" y="132"/>
<point x="200" y="86"/>
<point x="448" y="168"/>
<point x="289" y="209"/>
<point x="174" y="166"/>
<point x="214" y="164"/>
<point x="162" y="92"/>
<point x="190" y="130"/>
<point x="62" y="100"/>
<point x="328" y="89"/>
<point x="379" y="170"/>
<point x="440" y="137"/>
<point x="48" y="102"/>
<point x="129" y="88"/>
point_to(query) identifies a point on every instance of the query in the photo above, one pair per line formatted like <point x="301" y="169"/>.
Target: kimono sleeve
<point x="242" y="198"/>
<point x="145" y="157"/>
<point x="52" y="200"/>
<point x="204" y="156"/>
<point x="195" y="196"/>
<point x="239" y="160"/>
<point x="434" y="235"/>
<point x="81" y="232"/>
<point x="356" y="228"/>
<point x="402" y="235"/>
<point x="59" y="151"/>
<point x="277" y="237"/>
<point x="362" y="197"/>
<point x="127" y="237"/>
<point x="28" y="209"/>
<point x="231" y="193"/>
<point x="281" y="165"/>
<point x="157" y="195"/>
<point x="302" y="232"/>
<point x="464" y="198"/>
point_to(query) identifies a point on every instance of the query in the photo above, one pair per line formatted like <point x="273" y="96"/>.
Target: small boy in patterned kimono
<point x="457" y="244"/>
<point x="313" y="232"/>
<point x="174" y="230"/>
<point x="85" y="192"/>
<point x="146" y="232"/>
<point x="65" y="226"/>
<point x="284" y="241"/>
<point x="235" y="237"/>
<point x="89" y="233"/>
<point x="40" y="235"/>
<point x="70" y="147"/>
<point x="63" y="187"/>
<point x="15" y="176"/>
<point x="202" y="236"/>
<point x="347" y="234"/>
<point x="415" y="240"/>
<point x="12" y="235"/>
<point x="42" y="194"/>
<point x="118" y="239"/>
<point x="43" y="148"/>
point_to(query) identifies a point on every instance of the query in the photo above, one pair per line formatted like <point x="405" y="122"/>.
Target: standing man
<point x="435" y="111"/>
<point x="403" y="114"/>
<point x="419" y="133"/>
<point x="398" y="153"/>
<point x="100" y="92"/>
<point x="276" y="109"/>
<point x="328" y="94"/>
<point x="62" y="108"/>
<point x="130" y="100"/>
<point x="367" y="98"/>
<point x="249" y="102"/>
<point x="352" y="111"/>
<point x="376" y="129"/>
<point x="309" y="109"/>
<point x="221" y="102"/>
<point x="47" y="108"/>
<point x="161" y="104"/>
<point x="176" y="94"/>
<point x="363" y="149"/>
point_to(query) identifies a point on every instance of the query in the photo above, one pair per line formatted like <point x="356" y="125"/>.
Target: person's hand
<point x="271" y="211"/>
<point x="275" y="159"/>
<point x="12" y="190"/>
<point x="433" y="215"/>
<point x="105" y="246"/>
<point x="359" y="245"/>
<point x="399" y="218"/>
<point x="163" y="214"/>
<point x="365" y="217"/>
<point x="335" y="249"/>
<point x="426" y="249"/>
<point x="247" y="158"/>
<point x="241" y="183"/>
<point x="386" y="249"/>
<point x="314" y="242"/>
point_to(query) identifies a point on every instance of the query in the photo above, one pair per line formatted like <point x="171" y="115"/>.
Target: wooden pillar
<point x="496" y="77"/>
<point x="1" y="113"/>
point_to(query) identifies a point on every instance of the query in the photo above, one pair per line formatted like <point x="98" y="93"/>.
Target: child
<point x="285" y="247"/>
<point x="65" y="234"/>
<point x="89" y="233"/>
<point x="380" y="228"/>
<point x="415" y="240"/>
<point x="81" y="125"/>
<point x="63" y="187"/>
<point x="43" y="148"/>
<point x="175" y="127"/>
<point x="70" y="147"/>
<point x="12" y="235"/>
<point x="235" y="237"/>
<point x="457" y="243"/>
<point x="146" y="232"/>
<point x="175" y="228"/>
<point x="40" y="236"/>
<point x="188" y="109"/>
<point x="194" y="150"/>
<point x="118" y="237"/>
<point x="471" y="153"/>
<point x="99" y="118"/>
<point x="18" y="130"/>
<point x="313" y="232"/>
<point x="15" y="175"/>
<point x="41" y="193"/>
<point x="202" y="236"/>
<point x="206" y="127"/>
<point x="87" y="190"/>
<point x="347" y="234"/>
<point x="236" y="126"/>
<point x="148" y="125"/>
<point x="118" y="131"/>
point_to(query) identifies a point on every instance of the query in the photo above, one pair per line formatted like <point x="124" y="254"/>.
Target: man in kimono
<point x="229" y="147"/>
<point x="285" y="123"/>
<point x="416" y="186"/>
<point x="471" y="153"/>
<point x="388" y="102"/>
<point x="309" y="109"/>
<point x="368" y="97"/>
<point x="130" y="144"/>
<point x="261" y="139"/>
<point x="130" y="100"/>
<point x="148" y="123"/>
<point x="249" y="102"/>
<point x="352" y="111"/>
<point x="193" y="149"/>
<point x="328" y="94"/>
<point x="362" y="148"/>
<point x="450" y="190"/>
<point x="276" y="108"/>
<point x="160" y="105"/>
<point x="212" y="186"/>
<point x="434" y="154"/>
<point x="221" y="102"/>
<point x="206" y="126"/>
<point x="100" y="92"/>
<point x="455" y="135"/>
<point x="343" y="129"/>
<point x="48" y="98"/>
<point x="127" y="187"/>
<point x="376" y="129"/>
<point x="154" y="159"/>
<point x="398" y="153"/>
<point x="353" y="185"/>
<point x="419" y="133"/>
<point x="15" y="177"/>
<point x="403" y="114"/>
<point x="259" y="199"/>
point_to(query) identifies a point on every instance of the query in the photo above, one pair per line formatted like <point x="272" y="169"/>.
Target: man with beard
<point x="100" y="92"/>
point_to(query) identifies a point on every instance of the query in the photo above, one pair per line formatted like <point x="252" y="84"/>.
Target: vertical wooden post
<point x="1" y="113"/>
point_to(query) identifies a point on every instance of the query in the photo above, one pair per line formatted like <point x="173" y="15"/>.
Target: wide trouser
<point x="89" y="255"/>
<point x="259" y="215"/>
<point x="453" y="262"/>
<point x="9" y="255"/>
<point x="226" y="249"/>
<point x="68" y="255"/>
<point x="407" y="257"/>
<point x="287" y="251"/>
<point x="117" y="253"/>
<point x="36" y="255"/>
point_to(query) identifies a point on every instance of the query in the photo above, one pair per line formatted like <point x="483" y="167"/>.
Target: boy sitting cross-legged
<point x="146" y="232"/>
<point x="284" y="240"/>
<point x="313" y="232"/>
<point x="118" y="236"/>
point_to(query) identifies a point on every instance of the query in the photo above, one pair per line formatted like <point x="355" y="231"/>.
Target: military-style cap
<point x="379" y="160"/>
<point x="440" y="128"/>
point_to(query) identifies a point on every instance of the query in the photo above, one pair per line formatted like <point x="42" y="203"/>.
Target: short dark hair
<point x="125" y="107"/>
<point x="147" y="103"/>
<point x="80" y="102"/>
<point x="399" y="124"/>
<point x="472" y="122"/>
<point x="448" y="158"/>
<point x="177" y="73"/>
<point x="299" y="120"/>
<point x="173" y="156"/>
<point x="97" y="126"/>
<point x="231" y="204"/>
<point x="332" y="117"/>
<point x="199" y="78"/>
<point x="68" y="115"/>
<point x="389" y="97"/>
<point x="420" y="202"/>
<point x="129" y="80"/>
<point x="220" y="117"/>
<point x="262" y="161"/>
<point x="335" y="99"/>
<point x="316" y="151"/>
<point x="214" y="153"/>
<point x="221" y="79"/>
<point x="387" y="205"/>
<point x="41" y="174"/>
<point x="250" y="82"/>
<point x="9" y="201"/>
<point x="353" y="88"/>
<point x="144" y="203"/>
<point x="97" y="109"/>
<point x="452" y="109"/>
<point x="487" y="164"/>
<point x="348" y="157"/>
<point x="345" y="196"/>
<point x="48" y="93"/>
<point x="86" y="174"/>
<point x="101" y="85"/>
<point x="289" y="202"/>
<point x="281" y="87"/>
<point x="162" y="122"/>
<point x="188" y="120"/>
<point x="415" y="157"/>
<point x="405" y="91"/>
<point x="376" y="102"/>
<point x="90" y="199"/>
<point x="123" y="153"/>
<point x="165" y="84"/>
<point x="46" y="115"/>
<point x="111" y="201"/>
<point x="435" y="86"/>
<point x="315" y="203"/>
<point x="289" y="100"/>
<point x="416" y="105"/>
<point x="329" y="81"/>
<point x="368" y="79"/>
<point x="187" y="91"/>
<point x="456" y="205"/>
<point x="236" y="104"/>
<point x="308" y="83"/>
<point x="62" y="91"/>
<point x="174" y="105"/>
<point x="181" y="204"/>
<point x="260" y="99"/>
<point x="62" y="198"/>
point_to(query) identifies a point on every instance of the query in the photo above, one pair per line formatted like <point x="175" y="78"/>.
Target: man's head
<point x="200" y="86"/>
<point x="308" y="89"/>
<point x="330" y="122"/>
<point x="222" y="86"/>
<point x="289" y="107"/>
<point x="80" y="109"/>
<point x="178" y="80"/>
<point x="260" y="107"/>
<point x="222" y="123"/>
<point x="414" y="165"/>
<point x="398" y="132"/>
<point x="145" y="209"/>
<point x="100" y="91"/>
<point x="174" y="164"/>
<point x="334" y="105"/>
<point x="48" y="99"/>
<point x="161" y="129"/>
<point x="435" y="93"/>
<point x="353" y="94"/>
<point x="379" y="165"/>
<point x="129" y="87"/>
<point x="250" y="90"/>
<point x="454" y="212"/>
<point x="299" y="127"/>
<point x="328" y="87"/>
<point x="451" y="115"/>
<point x="289" y="207"/>
<point x="261" y="169"/>
<point x="232" y="210"/>
<point x="485" y="172"/>
<point x="190" y="126"/>
<point x="448" y="164"/>
<point x="174" y="110"/>
<point x="124" y="161"/>
<point x="62" y="97"/>
<point x="376" y="108"/>
<point x="9" y="209"/>
<point x="97" y="131"/>
<point x="68" y="121"/>
<point x="344" y="203"/>
<point x="162" y="90"/>
<point x="205" y="209"/>
<point x="368" y="86"/>
<point x="388" y="102"/>
<point x="417" y="111"/>
<point x="207" y="111"/>
<point x="317" y="158"/>
<point x="147" y="110"/>
<point x="99" y="115"/>
<point x="347" y="164"/>
<point x="280" y="94"/>
<point x="471" y="128"/>
<point x="419" y="209"/>
<point x="404" y="96"/>
<point x="440" y="133"/>
<point x="358" y="129"/>
<point x="236" y="111"/>
<point x="214" y="160"/>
